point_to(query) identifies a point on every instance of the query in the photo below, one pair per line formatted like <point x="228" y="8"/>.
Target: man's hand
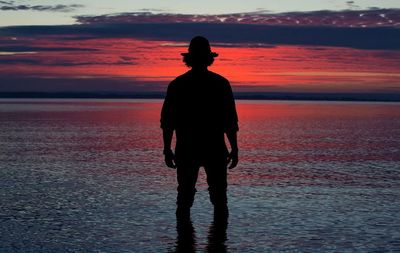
<point x="233" y="159"/>
<point x="169" y="158"/>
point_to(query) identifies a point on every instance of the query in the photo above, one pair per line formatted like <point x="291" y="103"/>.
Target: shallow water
<point x="88" y="176"/>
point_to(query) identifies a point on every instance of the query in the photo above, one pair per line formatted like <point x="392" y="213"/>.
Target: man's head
<point x="199" y="53"/>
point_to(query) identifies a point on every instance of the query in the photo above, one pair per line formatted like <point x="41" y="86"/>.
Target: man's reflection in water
<point x="186" y="239"/>
<point x="217" y="234"/>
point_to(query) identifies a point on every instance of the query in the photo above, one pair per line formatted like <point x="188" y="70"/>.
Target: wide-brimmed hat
<point x="199" y="46"/>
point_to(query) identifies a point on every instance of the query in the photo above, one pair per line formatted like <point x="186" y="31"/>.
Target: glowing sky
<point x="284" y="46"/>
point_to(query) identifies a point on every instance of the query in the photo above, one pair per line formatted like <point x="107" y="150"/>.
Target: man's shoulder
<point x="188" y="77"/>
<point x="179" y="79"/>
<point x="218" y="77"/>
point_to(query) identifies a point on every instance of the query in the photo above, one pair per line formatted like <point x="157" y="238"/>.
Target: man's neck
<point x="199" y="69"/>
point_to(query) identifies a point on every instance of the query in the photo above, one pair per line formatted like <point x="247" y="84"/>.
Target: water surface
<point x="88" y="176"/>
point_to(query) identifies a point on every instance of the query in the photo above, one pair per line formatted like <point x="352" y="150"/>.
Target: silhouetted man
<point x="200" y="108"/>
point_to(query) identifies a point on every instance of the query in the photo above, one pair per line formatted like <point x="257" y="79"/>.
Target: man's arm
<point x="168" y="154"/>
<point x="232" y="137"/>
<point x="233" y="156"/>
<point x="167" y="125"/>
<point x="167" y="138"/>
<point x="231" y="126"/>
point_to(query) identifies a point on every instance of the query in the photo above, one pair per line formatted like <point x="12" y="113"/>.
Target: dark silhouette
<point x="186" y="239"/>
<point x="200" y="108"/>
<point x="186" y="235"/>
<point x="217" y="234"/>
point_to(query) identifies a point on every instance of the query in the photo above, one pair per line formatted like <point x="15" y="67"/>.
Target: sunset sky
<point x="264" y="46"/>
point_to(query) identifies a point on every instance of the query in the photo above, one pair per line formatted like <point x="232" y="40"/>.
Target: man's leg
<point x="217" y="186"/>
<point x="187" y="178"/>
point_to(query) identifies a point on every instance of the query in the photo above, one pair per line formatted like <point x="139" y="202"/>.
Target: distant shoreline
<point x="364" y="97"/>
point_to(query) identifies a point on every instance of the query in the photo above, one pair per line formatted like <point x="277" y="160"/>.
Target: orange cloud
<point x="279" y="68"/>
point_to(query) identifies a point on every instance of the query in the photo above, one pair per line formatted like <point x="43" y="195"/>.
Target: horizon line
<point x="305" y="96"/>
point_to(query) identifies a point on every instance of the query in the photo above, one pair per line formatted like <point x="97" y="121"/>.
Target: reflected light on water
<point x="88" y="175"/>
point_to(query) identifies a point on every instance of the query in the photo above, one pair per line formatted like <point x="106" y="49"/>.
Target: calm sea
<point x="88" y="176"/>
